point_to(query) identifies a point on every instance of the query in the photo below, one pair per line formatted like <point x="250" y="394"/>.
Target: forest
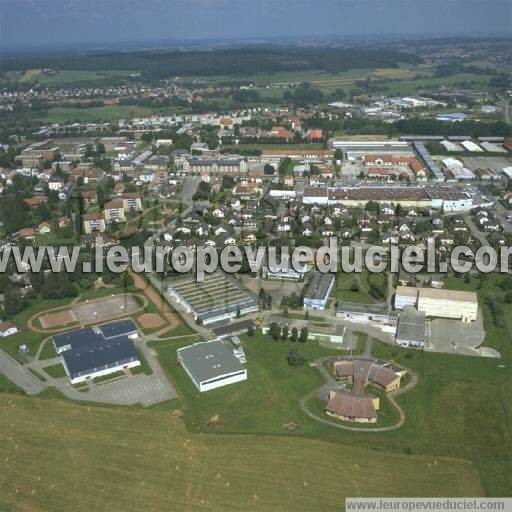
<point x="247" y="61"/>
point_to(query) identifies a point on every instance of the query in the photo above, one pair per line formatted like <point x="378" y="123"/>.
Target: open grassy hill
<point x="62" y="456"/>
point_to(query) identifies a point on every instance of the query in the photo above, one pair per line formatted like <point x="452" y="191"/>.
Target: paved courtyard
<point x="456" y="337"/>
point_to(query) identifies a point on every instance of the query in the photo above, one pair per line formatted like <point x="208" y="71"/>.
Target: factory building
<point x="439" y="303"/>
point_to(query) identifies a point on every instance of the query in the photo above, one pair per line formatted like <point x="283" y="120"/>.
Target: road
<point x="332" y="384"/>
<point x="20" y="376"/>
<point x="474" y="230"/>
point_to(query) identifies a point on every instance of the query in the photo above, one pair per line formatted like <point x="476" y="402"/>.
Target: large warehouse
<point x="97" y="351"/>
<point x="216" y="298"/>
<point x="448" y="304"/>
<point x="439" y="303"/>
<point x="211" y="364"/>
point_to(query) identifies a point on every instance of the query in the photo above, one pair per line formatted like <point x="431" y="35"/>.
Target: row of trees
<point x="286" y="334"/>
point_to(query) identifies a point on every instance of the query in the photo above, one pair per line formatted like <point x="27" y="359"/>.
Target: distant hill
<point x="245" y="61"/>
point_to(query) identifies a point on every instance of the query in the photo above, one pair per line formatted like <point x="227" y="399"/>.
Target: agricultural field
<point x="148" y="461"/>
<point x="406" y="79"/>
<point x="94" y="114"/>
<point x="66" y="76"/>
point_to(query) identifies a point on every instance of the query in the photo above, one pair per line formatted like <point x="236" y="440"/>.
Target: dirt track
<point x="74" y="325"/>
<point x="160" y="303"/>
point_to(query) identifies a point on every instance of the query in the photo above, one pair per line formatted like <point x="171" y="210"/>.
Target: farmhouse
<point x="211" y="364"/>
<point x="7" y="328"/>
<point x="97" y="351"/>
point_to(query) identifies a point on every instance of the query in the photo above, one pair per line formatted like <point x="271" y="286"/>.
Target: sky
<point x="74" y="23"/>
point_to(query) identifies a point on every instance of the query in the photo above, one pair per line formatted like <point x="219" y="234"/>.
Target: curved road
<point x="319" y="363"/>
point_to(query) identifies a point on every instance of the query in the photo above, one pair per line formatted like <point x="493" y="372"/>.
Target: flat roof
<point x="374" y="193"/>
<point x="233" y="327"/>
<point x="411" y="325"/>
<point x="97" y="356"/>
<point x="207" y="360"/>
<point x="319" y="286"/>
<point x="77" y="339"/>
<point x="115" y="329"/>
<point x="353" y="307"/>
<point x="216" y="295"/>
<point x="453" y="295"/>
<point x="407" y="291"/>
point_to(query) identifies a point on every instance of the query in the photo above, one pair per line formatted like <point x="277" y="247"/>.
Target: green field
<point x="133" y="460"/>
<point x="406" y="79"/>
<point x="56" y="371"/>
<point x="66" y="76"/>
<point x="456" y="439"/>
<point x="95" y="114"/>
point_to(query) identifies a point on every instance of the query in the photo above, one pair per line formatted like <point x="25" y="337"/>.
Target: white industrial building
<point x="211" y="364"/>
<point x="405" y="296"/>
<point x="448" y="304"/>
<point x="439" y="303"/>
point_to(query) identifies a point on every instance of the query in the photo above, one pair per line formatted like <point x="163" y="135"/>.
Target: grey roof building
<point x="211" y="364"/>
<point x="411" y="328"/>
<point x="318" y="290"/>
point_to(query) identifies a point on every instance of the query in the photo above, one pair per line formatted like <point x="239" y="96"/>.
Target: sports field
<point x="90" y="311"/>
<point x="94" y="311"/>
<point x="61" y="456"/>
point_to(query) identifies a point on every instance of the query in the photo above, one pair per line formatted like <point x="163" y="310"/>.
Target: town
<point x="413" y="154"/>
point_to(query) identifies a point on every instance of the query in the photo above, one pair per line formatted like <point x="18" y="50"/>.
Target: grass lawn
<point x="8" y="386"/>
<point x="56" y="371"/>
<point x="65" y="76"/>
<point x="456" y="439"/>
<point x="96" y="114"/>
<point x="26" y="336"/>
<point x="148" y="461"/>
<point x="48" y="351"/>
<point x="350" y="288"/>
<point x="461" y="406"/>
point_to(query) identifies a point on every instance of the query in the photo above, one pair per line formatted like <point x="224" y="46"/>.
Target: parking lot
<point x="133" y="389"/>
<point x="455" y="337"/>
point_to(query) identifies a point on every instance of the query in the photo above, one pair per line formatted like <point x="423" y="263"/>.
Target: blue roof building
<point x="96" y="351"/>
